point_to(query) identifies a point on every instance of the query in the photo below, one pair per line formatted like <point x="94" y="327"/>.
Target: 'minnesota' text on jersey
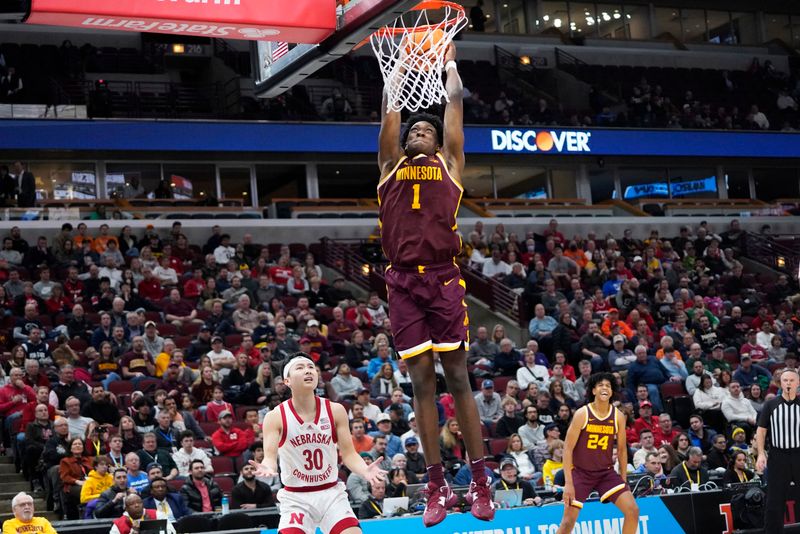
<point x="307" y="451"/>
<point x="594" y="449"/>
<point x="419" y="202"/>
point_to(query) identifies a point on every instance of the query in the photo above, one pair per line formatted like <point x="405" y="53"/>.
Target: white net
<point x="411" y="54"/>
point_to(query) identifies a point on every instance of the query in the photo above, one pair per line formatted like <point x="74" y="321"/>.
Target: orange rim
<point x="428" y="4"/>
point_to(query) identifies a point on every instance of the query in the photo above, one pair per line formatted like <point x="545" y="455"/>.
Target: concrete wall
<point x="308" y="231"/>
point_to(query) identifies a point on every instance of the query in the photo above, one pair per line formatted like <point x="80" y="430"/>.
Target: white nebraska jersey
<point x="307" y="450"/>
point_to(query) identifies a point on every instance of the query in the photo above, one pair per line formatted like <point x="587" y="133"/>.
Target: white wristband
<point x="450" y="65"/>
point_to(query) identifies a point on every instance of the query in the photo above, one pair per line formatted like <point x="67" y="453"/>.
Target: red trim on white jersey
<point x="283" y="430"/>
<point x="333" y="423"/>
<point x="344" y="524"/>
<point x="308" y="489"/>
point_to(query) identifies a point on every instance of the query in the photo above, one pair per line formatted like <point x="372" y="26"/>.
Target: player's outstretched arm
<point x="573" y="432"/>
<point x="453" y="148"/>
<point x="389" y="150"/>
<point x="622" y="446"/>
<point x="272" y="430"/>
<point x="350" y="458"/>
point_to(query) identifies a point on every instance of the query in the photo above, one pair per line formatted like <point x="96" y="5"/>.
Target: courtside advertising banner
<point x="295" y="21"/>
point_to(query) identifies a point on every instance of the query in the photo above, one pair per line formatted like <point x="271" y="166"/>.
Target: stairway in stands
<point x="12" y="483"/>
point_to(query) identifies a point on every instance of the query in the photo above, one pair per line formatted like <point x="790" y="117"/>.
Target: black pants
<point x="783" y="466"/>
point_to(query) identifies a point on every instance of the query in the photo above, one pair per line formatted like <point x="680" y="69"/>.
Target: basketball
<point x="422" y="47"/>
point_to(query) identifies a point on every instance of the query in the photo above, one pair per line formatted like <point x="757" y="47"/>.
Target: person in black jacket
<point x="56" y="448"/>
<point x="160" y="496"/>
<point x="250" y="493"/>
<point x="509" y="480"/>
<point x="510" y="422"/>
<point x="100" y="408"/>
<point x="198" y="479"/>
<point x="26" y="198"/>
<point x="373" y="506"/>
<point x="111" y="503"/>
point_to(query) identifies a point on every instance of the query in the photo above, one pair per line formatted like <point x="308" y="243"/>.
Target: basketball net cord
<point x="411" y="55"/>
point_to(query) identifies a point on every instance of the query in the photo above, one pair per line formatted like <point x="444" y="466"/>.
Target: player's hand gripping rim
<point x="262" y="470"/>
<point x="374" y="471"/>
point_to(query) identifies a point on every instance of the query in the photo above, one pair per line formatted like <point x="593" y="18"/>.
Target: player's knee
<point x="632" y="510"/>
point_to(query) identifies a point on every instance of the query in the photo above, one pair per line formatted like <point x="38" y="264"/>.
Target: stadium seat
<point x="120" y="387"/>
<point x="223" y="465"/>
<point x="672" y="389"/>
<point x="498" y="446"/>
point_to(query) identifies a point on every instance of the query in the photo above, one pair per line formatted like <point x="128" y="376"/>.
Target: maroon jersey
<point x="593" y="450"/>
<point x="419" y="201"/>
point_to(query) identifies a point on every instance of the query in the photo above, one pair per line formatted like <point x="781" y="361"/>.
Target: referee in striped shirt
<point x="779" y="425"/>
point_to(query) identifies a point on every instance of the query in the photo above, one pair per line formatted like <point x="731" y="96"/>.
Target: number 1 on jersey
<point x="415" y="205"/>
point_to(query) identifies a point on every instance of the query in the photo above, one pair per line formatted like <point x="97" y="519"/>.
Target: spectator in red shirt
<point x="247" y="347"/>
<point x="29" y="411"/>
<point x="360" y="315"/>
<point x="757" y="352"/>
<point x="13" y="398"/>
<point x="230" y="441"/>
<point x="195" y="285"/>
<point x="150" y="287"/>
<point x="73" y="287"/>
<point x="665" y="433"/>
<point x="552" y="232"/>
<point x="282" y="272"/>
<point x="646" y="418"/>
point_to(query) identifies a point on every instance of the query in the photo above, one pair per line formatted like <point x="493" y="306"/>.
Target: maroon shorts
<point x="427" y="309"/>
<point x="607" y="483"/>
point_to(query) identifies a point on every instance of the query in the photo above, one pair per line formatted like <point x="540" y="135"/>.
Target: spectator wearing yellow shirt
<point x="98" y="480"/>
<point x="24" y="520"/>
<point x="553" y="464"/>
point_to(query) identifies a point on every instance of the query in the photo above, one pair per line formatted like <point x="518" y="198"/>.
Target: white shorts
<point x="303" y="512"/>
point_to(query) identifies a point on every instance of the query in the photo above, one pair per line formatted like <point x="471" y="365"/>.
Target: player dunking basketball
<point x="588" y="457"/>
<point x="303" y="433"/>
<point x="419" y="194"/>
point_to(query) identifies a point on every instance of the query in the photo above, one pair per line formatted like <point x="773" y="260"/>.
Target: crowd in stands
<point x="147" y="359"/>
<point x="695" y="344"/>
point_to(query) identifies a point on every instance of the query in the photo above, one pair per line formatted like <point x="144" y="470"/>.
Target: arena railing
<point x="776" y="255"/>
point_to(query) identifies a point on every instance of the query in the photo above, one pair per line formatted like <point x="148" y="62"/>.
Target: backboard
<point x="276" y="70"/>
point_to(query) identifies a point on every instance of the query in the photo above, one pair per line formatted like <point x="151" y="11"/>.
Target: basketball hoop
<point x="411" y="53"/>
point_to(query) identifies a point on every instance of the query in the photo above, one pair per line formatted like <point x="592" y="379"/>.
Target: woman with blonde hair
<point x="451" y="444"/>
<point x="526" y="466"/>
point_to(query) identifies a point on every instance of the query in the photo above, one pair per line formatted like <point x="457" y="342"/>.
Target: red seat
<point x="208" y="428"/>
<point x="182" y="341"/>
<point x="175" y="485"/>
<point x="233" y="340"/>
<point x="167" y="330"/>
<point x="241" y="409"/>
<point x="672" y="389"/>
<point x="500" y="384"/>
<point x="223" y="465"/>
<point x="190" y="329"/>
<point x="225" y="484"/>
<point x="497" y="447"/>
<point x="78" y="345"/>
<point x="152" y="316"/>
<point x="120" y="387"/>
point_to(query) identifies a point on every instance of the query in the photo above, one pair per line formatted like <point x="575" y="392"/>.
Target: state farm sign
<point x="298" y="21"/>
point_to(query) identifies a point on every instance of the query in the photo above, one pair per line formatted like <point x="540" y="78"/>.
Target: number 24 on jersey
<point x="596" y="441"/>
